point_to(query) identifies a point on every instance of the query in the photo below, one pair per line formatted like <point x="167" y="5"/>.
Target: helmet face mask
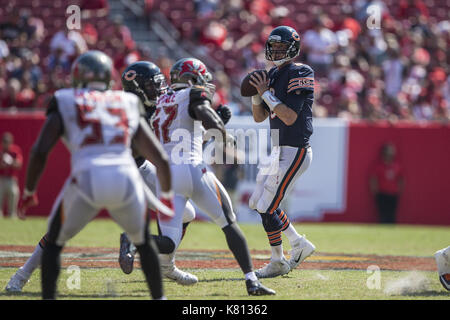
<point x="144" y="79"/>
<point x="155" y="87"/>
<point x="282" y="45"/>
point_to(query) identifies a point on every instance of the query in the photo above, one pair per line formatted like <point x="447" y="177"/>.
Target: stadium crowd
<point x="395" y="70"/>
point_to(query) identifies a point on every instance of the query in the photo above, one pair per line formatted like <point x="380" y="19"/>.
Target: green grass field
<point x="303" y="283"/>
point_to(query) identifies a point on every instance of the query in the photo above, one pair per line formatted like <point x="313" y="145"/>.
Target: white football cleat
<point x="274" y="269"/>
<point x="17" y="281"/>
<point x="301" y="249"/>
<point x="443" y="264"/>
<point x="181" y="277"/>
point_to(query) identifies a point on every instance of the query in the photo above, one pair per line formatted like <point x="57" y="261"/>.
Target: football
<point x="247" y="90"/>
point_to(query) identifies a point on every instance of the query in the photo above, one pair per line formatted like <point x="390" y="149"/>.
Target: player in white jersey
<point x="98" y="126"/>
<point x="146" y="80"/>
<point x="181" y="114"/>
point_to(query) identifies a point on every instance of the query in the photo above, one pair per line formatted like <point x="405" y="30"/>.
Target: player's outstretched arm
<point x="147" y="145"/>
<point x="209" y="118"/>
<point x="49" y="135"/>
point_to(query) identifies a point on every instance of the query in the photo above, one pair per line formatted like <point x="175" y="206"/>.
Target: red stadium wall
<point x="423" y="151"/>
<point x="25" y="128"/>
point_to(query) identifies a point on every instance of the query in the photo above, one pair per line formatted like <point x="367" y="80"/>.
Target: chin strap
<point x="280" y="62"/>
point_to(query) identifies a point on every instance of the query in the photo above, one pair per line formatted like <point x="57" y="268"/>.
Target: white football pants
<point x="116" y="188"/>
<point x="275" y="182"/>
<point x="197" y="183"/>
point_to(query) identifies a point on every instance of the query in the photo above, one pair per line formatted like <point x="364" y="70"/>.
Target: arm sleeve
<point x="197" y="95"/>
<point x="53" y="108"/>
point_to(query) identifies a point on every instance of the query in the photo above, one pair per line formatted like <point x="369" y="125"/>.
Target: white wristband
<point x="167" y="195"/>
<point x="270" y="100"/>
<point x="256" y="99"/>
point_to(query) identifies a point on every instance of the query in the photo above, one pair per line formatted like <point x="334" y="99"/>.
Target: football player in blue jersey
<point x="285" y="95"/>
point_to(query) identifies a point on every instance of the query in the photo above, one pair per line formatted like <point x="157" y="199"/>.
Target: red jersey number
<point x="96" y="136"/>
<point x="172" y="112"/>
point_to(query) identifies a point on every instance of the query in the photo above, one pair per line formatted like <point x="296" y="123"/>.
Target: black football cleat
<point x="255" y="288"/>
<point x="126" y="257"/>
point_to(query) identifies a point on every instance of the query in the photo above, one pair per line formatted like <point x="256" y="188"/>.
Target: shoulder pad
<point x="199" y="93"/>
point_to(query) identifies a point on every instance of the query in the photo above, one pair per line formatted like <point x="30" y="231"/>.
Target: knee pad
<point x="165" y="244"/>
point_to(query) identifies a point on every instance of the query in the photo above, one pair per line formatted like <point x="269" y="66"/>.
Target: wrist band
<point x="28" y="193"/>
<point x="256" y="99"/>
<point x="270" y="100"/>
<point x="167" y="195"/>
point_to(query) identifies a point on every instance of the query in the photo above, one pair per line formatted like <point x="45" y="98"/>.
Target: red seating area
<point x="239" y="30"/>
<point x="97" y="32"/>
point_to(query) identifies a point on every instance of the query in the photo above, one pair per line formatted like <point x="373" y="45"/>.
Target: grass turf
<point x="110" y="283"/>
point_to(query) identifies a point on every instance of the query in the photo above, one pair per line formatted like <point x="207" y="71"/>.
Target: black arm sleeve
<point x="53" y="108"/>
<point x="197" y="96"/>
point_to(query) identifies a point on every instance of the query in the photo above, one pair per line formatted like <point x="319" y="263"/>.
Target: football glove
<point x="29" y="199"/>
<point x="224" y="113"/>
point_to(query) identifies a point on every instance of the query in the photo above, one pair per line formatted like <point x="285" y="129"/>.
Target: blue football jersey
<point x="293" y="84"/>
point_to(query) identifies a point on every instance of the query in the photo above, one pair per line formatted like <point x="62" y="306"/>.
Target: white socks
<point x="277" y="252"/>
<point x="33" y="262"/>
<point x="291" y="234"/>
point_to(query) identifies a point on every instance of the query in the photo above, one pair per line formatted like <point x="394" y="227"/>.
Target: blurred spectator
<point x="206" y="9"/>
<point x="393" y="77"/>
<point x="410" y="8"/>
<point x="10" y="28"/>
<point x="214" y="33"/>
<point x="222" y="83"/>
<point x="10" y="165"/>
<point x="320" y="44"/>
<point x="4" y="50"/>
<point x="9" y="96"/>
<point x="387" y="183"/>
<point x="94" y="8"/>
<point x="90" y="34"/>
<point x="280" y="17"/>
<point x="261" y="9"/>
<point x="65" y="45"/>
<point x="119" y="34"/>
<point x="125" y="57"/>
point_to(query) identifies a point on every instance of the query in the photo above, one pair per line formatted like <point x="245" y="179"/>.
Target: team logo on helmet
<point x="192" y="66"/>
<point x="130" y="75"/>
<point x="295" y="35"/>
